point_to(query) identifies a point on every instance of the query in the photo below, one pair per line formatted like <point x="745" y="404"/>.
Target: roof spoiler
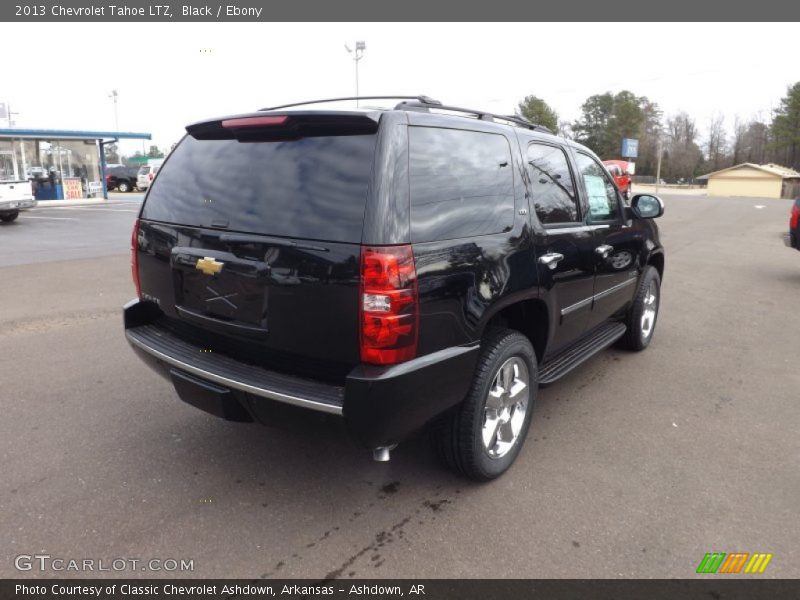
<point x="259" y="127"/>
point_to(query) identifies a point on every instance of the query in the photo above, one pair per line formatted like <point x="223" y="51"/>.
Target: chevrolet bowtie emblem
<point x="208" y="265"/>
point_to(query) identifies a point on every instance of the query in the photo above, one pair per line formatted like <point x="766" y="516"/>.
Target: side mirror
<point x="647" y="206"/>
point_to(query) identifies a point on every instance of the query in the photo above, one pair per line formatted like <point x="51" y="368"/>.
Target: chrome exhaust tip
<point x="382" y="453"/>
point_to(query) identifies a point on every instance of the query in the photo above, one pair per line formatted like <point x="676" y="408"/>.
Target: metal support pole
<point x="14" y="166"/>
<point x="24" y="159"/>
<point x="357" y="55"/>
<point x="356" y="61"/>
<point x="103" y="168"/>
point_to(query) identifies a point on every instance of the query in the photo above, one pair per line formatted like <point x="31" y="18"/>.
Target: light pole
<point x="357" y="55"/>
<point x="114" y="95"/>
<point x="663" y="136"/>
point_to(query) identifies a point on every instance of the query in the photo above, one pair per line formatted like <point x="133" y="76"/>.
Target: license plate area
<point x="235" y="298"/>
<point x="206" y="396"/>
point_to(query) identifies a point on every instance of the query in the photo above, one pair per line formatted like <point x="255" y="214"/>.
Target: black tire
<point x="8" y="217"/>
<point x="458" y="436"/>
<point x="638" y="337"/>
<point x="124" y="186"/>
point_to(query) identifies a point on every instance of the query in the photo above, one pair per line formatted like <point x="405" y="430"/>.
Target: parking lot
<point x="636" y="464"/>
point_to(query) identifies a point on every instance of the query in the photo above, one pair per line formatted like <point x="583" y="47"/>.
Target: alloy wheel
<point x="505" y="408"/>
<point x="648" y="319"/>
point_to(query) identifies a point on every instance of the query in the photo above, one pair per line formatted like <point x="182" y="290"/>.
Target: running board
<point x="562" y="363"/>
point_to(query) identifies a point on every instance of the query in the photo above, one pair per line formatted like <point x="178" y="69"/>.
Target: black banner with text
<point x="410" y="10"/>
<point x="712" y="588"/>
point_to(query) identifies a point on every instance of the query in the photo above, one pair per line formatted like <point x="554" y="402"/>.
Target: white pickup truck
<point x="14" y="197"/>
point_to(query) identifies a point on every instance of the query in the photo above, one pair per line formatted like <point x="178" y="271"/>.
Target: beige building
<point x="755" y="181"/>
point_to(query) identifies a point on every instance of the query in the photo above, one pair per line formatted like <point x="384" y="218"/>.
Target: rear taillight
<point x="795" y="218"/>
<point x="389" y="305"/>
<point x="135" y="258"/>
<point x="150" y="176"/>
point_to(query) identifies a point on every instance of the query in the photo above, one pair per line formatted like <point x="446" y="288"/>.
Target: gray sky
<point x="170" y="74"/>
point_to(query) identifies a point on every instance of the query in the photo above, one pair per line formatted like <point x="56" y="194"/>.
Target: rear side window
<point x="311" y="188"/>
<point x="552" y="187"/>
<point x="461" y="183"/>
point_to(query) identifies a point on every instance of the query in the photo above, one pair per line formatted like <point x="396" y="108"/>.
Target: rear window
<point x="311" y="188"/>
<point x="461" y="183"/>
<point x="144" y="170"/>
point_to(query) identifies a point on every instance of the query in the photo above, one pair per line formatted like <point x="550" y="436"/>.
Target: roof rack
<point x="483" y="115"/>
<point x="425" y="103"/>
<point x="427" y="100"/>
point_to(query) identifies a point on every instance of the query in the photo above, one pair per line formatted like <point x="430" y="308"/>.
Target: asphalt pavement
<point x="70" y="232"/>
<point x="637" y="464"/>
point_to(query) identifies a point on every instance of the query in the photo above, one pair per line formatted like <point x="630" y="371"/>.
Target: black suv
<point x="397" y="267"/>
<point x="122" y="179"/>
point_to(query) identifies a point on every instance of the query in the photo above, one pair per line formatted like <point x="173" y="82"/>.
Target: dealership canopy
<point x="60" y="163"/>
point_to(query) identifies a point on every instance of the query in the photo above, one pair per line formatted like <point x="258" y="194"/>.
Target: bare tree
<point x="750" y="141"/>
<point x="738" y="144"/>
<point x="682" y="154"/>
<point x="757" y="143"/>
<point x="716" y="144"/>
<point x="565" y="130"/>
<point x="649" y="133"/>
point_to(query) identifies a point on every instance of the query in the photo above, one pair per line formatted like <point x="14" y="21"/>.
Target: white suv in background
<point x="146" y="174"/>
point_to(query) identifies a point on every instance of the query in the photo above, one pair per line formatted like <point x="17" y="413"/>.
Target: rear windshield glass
<point x="144" y="170"/>
<point x="311" y="188"/>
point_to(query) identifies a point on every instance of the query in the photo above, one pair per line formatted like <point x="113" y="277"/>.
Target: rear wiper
<point x="242" y="238"/>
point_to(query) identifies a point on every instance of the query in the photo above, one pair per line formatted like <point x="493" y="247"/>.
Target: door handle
<point x="604" y="250"/>
<point x="551" y="260"/>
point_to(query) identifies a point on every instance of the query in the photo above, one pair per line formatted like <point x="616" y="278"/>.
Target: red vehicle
<point x="793" y="238"/>
<point x="619" y="171"/>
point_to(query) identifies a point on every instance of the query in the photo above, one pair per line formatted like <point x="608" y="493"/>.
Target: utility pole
<point x="658" y="166"/>
<point x="357" y="55"/>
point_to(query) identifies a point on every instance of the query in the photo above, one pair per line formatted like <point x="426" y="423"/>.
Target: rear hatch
<point x="249" y="239"/>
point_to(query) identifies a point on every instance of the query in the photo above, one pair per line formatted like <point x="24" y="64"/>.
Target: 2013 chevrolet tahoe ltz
<point x="398" y="267"/>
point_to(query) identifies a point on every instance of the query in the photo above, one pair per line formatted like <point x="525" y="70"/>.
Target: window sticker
<point x="596" y="189"/>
